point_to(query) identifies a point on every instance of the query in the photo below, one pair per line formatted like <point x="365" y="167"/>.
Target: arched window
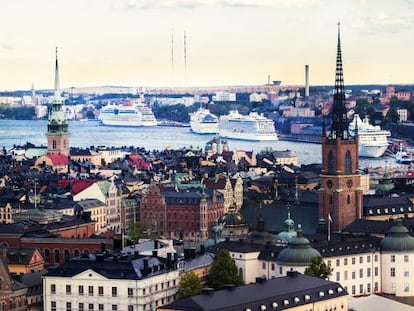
<point x="57" y="256"/>
<point x="331" y="163"/>
<point x="76" y="253"/>
<point x="66" y="254"/>
<point x="348" y="199"/>
<point x="348" y="163"/>
<point x="54" y="144"/>
<point x="47" y="253"/>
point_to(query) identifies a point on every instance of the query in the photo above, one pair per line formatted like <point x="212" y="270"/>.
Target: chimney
<point x="306" y="81"/>
<point x="208" y="291"/>
<point x="292" y="273"/>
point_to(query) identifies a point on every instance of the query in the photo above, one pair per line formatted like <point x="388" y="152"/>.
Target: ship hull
<point x="204" y="128"/>
<point x="372" y="151"/>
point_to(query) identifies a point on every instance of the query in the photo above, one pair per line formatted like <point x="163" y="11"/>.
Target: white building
<point x="362" y="265"/>
<point x="224" y="97"/>
<point x="108" y="282"/>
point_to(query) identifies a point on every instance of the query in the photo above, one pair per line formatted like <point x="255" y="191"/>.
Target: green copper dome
<point x="298" y="253"/>
<point x="398" y="239"/>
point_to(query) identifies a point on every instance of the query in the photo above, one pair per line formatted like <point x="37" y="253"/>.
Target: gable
<point x="89" y="274"/>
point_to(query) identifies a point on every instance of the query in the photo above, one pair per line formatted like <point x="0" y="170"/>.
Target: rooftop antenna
<point x="185" y="59"/>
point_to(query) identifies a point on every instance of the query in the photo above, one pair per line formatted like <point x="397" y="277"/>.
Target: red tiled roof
<point x="58" y="159"/>
<point x="80" y="185"/>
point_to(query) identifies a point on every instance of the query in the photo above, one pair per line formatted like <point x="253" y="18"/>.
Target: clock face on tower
<point x="329" y="183"/>
<point x="349" y="183"/>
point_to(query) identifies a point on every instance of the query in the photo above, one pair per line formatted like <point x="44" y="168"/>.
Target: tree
<point x="318" y="268"/>
<point x="190" y="285"/>
<point x="223" y="271"/>
<point x="140" y="230"/>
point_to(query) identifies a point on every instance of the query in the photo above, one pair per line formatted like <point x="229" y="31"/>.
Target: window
<point x="368" y="287"/>
<point x="353" y="275"/>
<point x="68" y="306"/>
<point x="53" y="288"/>
<point x="263" y="265"/>
<point x="273" y="267"/>
<point x="376" y="271"/>
<point x="90" y="306"/>
<point x="361" y="273"/>
<point x="353" y="289"/>
<point x="114" y="307"/>
<point x="90" y="291"/>
<point x="280" y="270"/>
<point x="353" y="260"/>
<point x="80" y="290"/>
<point x="100" y="291"/>
<point x="114" y="291"/>
<point x="368" y="259"/>
<point x="338" y="276"/>
<point x="338" y="262"/>
<point x="348" y="163"/>
<point x="54" y="144"/>
<point x="405" y="258"/>
<point x="406" y="287"/>
<point x="329" y="263"/>
<point x="393" y="272"/>
<point x="345" y="275"/>
<point x="53" y="305"/>
<point x="100" y="307"/>
<point x="331" y="163"/>
<point x="345" y="261"/>
<point x="131" y="292"/>
<point x="68" y="289"/>
<point x="130" y="308"/>
<point x="375" y="286"/>
<point x="368" y="272"/>
<point x="406" y="273"/>
<point x="376" y="257"/>
<point x="361" y="288"/>
<point x="392" y="258"/>
<point x="361" y="259"/>
<point x="81" y="306"/>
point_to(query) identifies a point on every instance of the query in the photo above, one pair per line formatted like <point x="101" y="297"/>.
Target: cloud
<point x="188" y="4"/>
<point x="384" y="23"/>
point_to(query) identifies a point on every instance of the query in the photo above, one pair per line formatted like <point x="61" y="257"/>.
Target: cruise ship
<point x="373" y="141"/>
<point x="134" y="115"/>
<point x="203" y="122"/>
<point x="250" y="127"/>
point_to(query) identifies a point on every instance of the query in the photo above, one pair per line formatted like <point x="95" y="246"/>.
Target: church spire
<point x="57" y="81"/>
<point x="339" y="117"/>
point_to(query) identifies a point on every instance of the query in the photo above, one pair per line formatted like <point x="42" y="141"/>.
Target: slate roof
<point x="275" y="294"/>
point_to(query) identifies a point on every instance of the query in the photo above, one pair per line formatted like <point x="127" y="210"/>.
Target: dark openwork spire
<point x="339" y="117"/>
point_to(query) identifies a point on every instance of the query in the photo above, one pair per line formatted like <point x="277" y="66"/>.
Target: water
<point x="92" y="133"/>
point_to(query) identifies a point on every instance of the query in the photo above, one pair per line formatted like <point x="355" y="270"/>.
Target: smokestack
<point x="306" y="81"/>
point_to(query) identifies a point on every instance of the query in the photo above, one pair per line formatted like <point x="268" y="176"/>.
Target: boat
<point x="127" y="115"/>
<point x="373" y="141"/>
<point x="251" y="127"/>
<point x="203" y="121"/>
<point x="402" y="156"/>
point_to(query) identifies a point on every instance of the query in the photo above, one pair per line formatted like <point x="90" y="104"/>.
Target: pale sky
<point x="229" y="42"/>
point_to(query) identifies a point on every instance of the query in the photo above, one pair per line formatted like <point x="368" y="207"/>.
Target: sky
<point x="228" y="42"/>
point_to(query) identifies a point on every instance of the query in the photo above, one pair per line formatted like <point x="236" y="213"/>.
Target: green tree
<point x="190" y="285"/>
<point x="318" y="268"/>
<point x="223" y="271"/>
<point x="140" y="230"/>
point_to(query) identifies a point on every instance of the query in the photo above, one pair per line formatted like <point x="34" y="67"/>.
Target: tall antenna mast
<point x="172" y="57"/>
<point x="185" y="59"/>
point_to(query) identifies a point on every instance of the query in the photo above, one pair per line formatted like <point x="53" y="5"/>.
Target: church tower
<point x="57" y="128"/>
<point x="340" y="199"/>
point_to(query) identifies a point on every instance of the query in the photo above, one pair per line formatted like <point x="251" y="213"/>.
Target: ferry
<point x="247" y="127"/>
<point x="133" y="115"/>
<point x="373" y="141"/>
<point x="203" y="122"/>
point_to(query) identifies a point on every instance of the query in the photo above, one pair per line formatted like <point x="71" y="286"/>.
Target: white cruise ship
<point x="251" y="127"/>
<point x="135" y="115"/>
<point x="373" y="141"/>
<point x="203" y="122"/>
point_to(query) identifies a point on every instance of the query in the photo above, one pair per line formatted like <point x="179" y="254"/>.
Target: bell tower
<point x="57" y="128"/>
<point x="340" y="199"/>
